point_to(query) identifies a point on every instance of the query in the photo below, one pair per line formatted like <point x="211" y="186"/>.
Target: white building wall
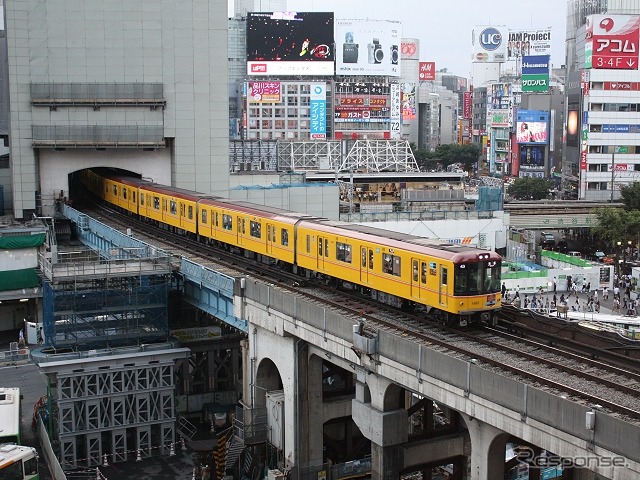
<point x="182" y="45"/>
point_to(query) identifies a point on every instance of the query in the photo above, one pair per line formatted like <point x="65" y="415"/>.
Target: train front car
<point x="476" y="286"/>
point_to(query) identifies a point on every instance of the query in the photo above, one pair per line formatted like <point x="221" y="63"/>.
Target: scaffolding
<point x="98" y="303"/>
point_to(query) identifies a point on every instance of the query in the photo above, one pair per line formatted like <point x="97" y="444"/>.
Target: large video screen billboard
<point x="290" y="43"/>
<point x="532" y="126"/>
<point x="368" y="47"/>
<point x="532" y="156"/>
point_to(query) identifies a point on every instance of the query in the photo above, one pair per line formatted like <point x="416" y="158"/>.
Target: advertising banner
<point x="409" y="50"/>
<point x="612" y="42"/>
<point x="528" y="42"/>
<point x="408" y="101"/>
<point x="531" y="132"/>
<point x="489" y="44"/>
<point x="427" y="71"/>
<point x="532" y="156"/>
<point x="395" y="110"/>
<point x="290" y="43"/>
<point x="318" y="110"/>
<point x="500" y="118"/>
<point x="368" y="47"/>
<point x="466" y="105"/>
<point x="535" y="83"/>
<point x="535" y="64"/>
<point x="264" y="92"/>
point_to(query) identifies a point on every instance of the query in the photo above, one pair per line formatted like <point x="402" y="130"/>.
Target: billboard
<point x="466" y="105"/>
<point x="499" y="118"/>
<point x="427" y="71"/>
<point x="368" y="47"/>
<point x="409" y="50"/>
<point x="290" y="43"/>
<point x="408" y="101"/>
<point x="489" y="44"/>
<point x="264" y="92"/>
<point x="532" y="156"/>
<point x="535" y="64"/>
<point x="612" y="42"/>
<point x="318" y="110"/>
<point x="528" y="42"/>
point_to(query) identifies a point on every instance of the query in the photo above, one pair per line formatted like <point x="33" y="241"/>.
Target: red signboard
<point x="615" y="41"/>
<point x="380" y="102"/>
<point x="583" y="160"/>
<point x="466" y="105"/>
<point x="427" y="71"/>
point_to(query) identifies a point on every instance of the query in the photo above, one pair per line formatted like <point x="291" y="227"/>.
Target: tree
<point x="530" y="188"/>
<point x="618" y="225"/>
<point x="631" y="196"/>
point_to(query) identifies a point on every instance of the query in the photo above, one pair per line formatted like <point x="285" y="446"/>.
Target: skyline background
<point x="445" y="32"/>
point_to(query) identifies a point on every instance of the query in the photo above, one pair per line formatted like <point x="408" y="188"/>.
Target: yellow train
<point x="454" y="284"/>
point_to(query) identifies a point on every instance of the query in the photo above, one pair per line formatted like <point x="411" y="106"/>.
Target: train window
<point x="173" y="207"/>
<point x="284" y="237"/>
<point x="115" y="190"/>
<point x="391" y="264"/>
<point x="364" y="257"/>
<point x="415" y="271"/>
<point x="444" y="276"/>
<point x="308" y="244"/>
<point x="204" y="216"/>
<point x="343" y="252"/>
<point x="156" y="203"/>
<point x="217" y="218"/>
<point x="227" y="222"/>
<point x="370" y="259"/>
<point x="319" y="247"/>
<point x="244" y="224"/>
<point x="460" y="286"/>
<point x="326" y="247"/>
<point x="255" y="229"/>
<point x="190" y="211"/>
<point x="423" y="272"/>
<point x="142" y="199"/>
<point x="133" y="197"/>
<point x="124" y="193"/>
<point x="492" y="272"/>
<point x="473" y="278"/>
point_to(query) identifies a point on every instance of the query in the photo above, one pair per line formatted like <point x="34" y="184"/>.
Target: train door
<point x="271" y="238"/>
<point x="443" y="286"/>
<point x="323" y="251"/>
<point x="241" y="229"/>
<point x="415" y="278"/>
<point x="364" y="271"/>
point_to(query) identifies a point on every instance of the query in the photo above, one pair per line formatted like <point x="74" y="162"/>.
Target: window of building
<point x="255" y="229"/>
<point x="595" y="128"/>
<point x="595" y="107"/>
<point x="391" y="264"/>
<point x="227" y="222"/>
<point x="343" y="252"/>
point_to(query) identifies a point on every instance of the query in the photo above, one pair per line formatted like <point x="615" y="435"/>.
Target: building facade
<point x="136" y="85"/>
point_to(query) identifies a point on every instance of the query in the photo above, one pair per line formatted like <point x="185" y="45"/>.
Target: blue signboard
<point x="318" y="109"/>
<point x="535" y="64"/>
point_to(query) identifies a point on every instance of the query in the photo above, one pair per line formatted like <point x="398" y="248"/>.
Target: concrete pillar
<point x="487" y="450"/>
<point x="386" y="462"/>
<point x="384" y="421"/>
<point x="311" y="431"/>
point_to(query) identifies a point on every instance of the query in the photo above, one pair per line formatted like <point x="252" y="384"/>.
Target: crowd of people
<point x="545" y="302"/>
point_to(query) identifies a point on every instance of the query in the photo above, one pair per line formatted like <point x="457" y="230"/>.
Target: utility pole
<point x="613" y="172"/>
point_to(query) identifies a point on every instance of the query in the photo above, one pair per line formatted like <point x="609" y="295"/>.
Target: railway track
<point x="615" y="387"/>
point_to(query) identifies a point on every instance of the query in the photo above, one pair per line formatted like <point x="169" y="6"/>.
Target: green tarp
<point x="16" y="279"/>
<point x="21" y="241"/>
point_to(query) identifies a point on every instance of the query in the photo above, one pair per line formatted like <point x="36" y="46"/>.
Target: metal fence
<point x="106" y="91"/>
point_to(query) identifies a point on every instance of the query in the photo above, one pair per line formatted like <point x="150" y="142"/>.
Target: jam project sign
<point x="612" y="42"/>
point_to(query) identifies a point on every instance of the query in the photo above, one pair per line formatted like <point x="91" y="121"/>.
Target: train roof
<point x="257" y="209"/>
<point x="175" y="191"/>
<point x="439" y="248"/>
